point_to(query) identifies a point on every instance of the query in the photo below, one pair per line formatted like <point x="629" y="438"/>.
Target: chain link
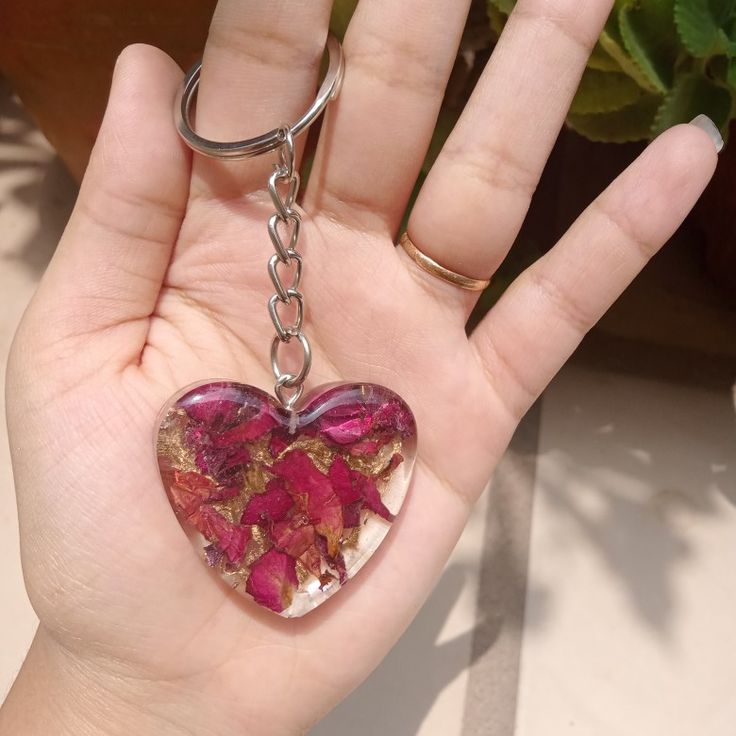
<point x="289" y="385"/>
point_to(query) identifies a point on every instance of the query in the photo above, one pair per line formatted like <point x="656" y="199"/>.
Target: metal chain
<point x="289" y="386"/>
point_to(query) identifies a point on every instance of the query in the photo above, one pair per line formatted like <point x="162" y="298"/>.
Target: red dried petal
<point x="368" y="448"/>
<point x="273" y="580"/>
<point x="213" y="554"/>
<point x="222" y="462"/>
<point x="373" y="498"/>
<point x="311" y="558"/>
<point x="213" y="526"/>
<point x="345" y="424"/>
<point x="393" y="463"/>
<point x="224" y="494"/>
<point x="213" y="412"/>
<point x="351" y="513"/>
<point x="250" y="430"/>
<point x="273" y="505"/>
<point x="294" y="539"/>
<point x="323" y="505"/>
<point x="393" y="416"/>
<point x="330" y="526"/>
<point x="279" y="442"/>
<point x="189" y="490"/>
<point x="342" y="481"/>
<point x="337" y="562"/>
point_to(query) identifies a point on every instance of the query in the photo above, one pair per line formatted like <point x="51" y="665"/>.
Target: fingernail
<point x="705" y="123"/>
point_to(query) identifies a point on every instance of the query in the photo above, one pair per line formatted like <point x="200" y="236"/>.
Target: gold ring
<point x="435" y="269"/>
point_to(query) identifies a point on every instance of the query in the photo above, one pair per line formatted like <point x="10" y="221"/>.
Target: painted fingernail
<point x="705" y="123"/>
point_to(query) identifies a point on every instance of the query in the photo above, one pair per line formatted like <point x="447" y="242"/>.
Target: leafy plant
<point x="656" y="63"/>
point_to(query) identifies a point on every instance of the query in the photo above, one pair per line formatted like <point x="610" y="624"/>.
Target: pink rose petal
<point x="213" y="526"/>
<point x="323" y="505"/>
<point x="294" y="539"/>
<point x="342" y="481"/>
<point x="373" y="498"/>
<point x="273" y="580"/>
<point x="249" y="430"/>
<point x="273" y="505"/>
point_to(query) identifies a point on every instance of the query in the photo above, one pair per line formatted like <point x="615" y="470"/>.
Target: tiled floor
<point x="618" y="491"/>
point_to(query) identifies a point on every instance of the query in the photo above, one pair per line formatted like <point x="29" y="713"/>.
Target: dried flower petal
<point x="214" y="527"/>
<point x="249" y="430"/>
<point x="279" y="442"/>
<point x="224" y="494"/>
<point x="213" y="554"/>
<point x="394" y="416"/>
<point x="294" y="539"/>
<point x="273" y="580"/>
<point x="368" y="448"/>
<point x="323" y="505"/>
<point x="273" y="505"/>
<point x="343" y="482"/>
<point x="373" y="498"/>
<point x="189" y="490"/>
<point x="311" y="558"/>
<point x="213" y="413"/>
<point x="222" y="463"/>
<point x="351" y="513"/>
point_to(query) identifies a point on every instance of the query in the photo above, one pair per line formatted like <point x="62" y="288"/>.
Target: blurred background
<point x="593" y="590"/>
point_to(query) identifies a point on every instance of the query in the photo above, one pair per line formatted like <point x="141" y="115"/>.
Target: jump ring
<point x="298" y="378"/>
<point x="288" y="402"/>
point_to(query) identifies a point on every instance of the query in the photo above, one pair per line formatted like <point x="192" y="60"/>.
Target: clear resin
<point x="287" y="506"/>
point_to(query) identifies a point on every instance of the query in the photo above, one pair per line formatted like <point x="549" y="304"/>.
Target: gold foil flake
<point x="236" y="578"/>
<point x="320" y="454"/>
<point x="171" y="442"/>
<point x="232" y="509"/>
<point x="374" y="465"/>
<point x="259" y="450"/>
<point x="351" y="537"/>
<point x="259" y="544"/>
<point x="256" y="478"/>
<point x="302" y="573"/>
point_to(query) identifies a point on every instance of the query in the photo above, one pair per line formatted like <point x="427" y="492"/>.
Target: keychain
<point x="286" y="496"/>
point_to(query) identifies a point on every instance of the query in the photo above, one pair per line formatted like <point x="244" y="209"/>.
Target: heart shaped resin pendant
<point x="287" y="506"/>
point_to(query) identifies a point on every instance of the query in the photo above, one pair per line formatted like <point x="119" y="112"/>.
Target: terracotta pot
<point x="58" y="56"/>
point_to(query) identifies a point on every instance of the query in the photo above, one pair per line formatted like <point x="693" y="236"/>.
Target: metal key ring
<point x="270" y="141"/>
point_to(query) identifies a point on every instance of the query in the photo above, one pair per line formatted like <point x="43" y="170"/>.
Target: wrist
<point x="58" y="692"/>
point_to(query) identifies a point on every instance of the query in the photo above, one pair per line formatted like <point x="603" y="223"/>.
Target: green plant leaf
<point x="602" y="61"/>
<point x="612" y="43"/>
<point x="649" y="35"/>
<point x="505" y="6"/>
<point x="701" y="25"/>
<point x="631" y="123"/>
<point x="605" y="92"/>
<point x="342" y="12"/>
<point x="692" y="95"/>
<point x="497" y="19"/>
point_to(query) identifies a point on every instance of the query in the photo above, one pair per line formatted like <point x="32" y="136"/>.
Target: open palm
<point x="160" y="280"/>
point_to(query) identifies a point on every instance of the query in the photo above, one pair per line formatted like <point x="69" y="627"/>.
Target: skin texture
<point x="160" y="280"/>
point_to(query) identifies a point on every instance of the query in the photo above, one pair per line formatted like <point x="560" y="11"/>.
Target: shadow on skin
<point x="398" y="695"/>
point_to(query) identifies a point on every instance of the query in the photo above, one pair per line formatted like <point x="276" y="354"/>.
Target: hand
<point x="160" y="280"/>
